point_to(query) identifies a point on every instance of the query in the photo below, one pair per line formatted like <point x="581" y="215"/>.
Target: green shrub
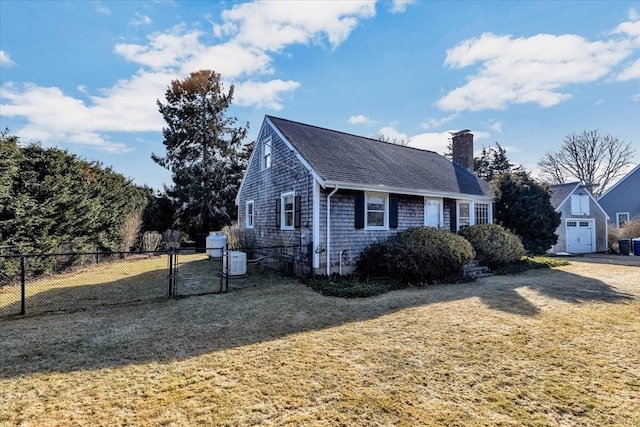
<point x="530" y="263"/>
<point x="494" y="245"/>
<point x="350" y="286"/>
<point x="417" y="255"/>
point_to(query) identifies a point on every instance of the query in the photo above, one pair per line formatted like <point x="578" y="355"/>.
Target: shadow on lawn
<point x="262" y="307"/>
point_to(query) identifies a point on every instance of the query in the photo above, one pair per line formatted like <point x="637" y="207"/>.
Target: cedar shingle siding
<point x="307" y="159"/>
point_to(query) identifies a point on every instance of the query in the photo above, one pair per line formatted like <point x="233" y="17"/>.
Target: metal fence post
<point x="170" y="255"/>
<point x="23" y="286"/>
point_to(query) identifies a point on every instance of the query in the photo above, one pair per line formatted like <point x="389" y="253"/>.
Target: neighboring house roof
<point x="340" y="158"/>
<point x="624" y="178"/>
<point x="561" y="192"/>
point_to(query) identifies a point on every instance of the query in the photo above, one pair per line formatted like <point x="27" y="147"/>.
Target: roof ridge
<point x="351" y="134"/>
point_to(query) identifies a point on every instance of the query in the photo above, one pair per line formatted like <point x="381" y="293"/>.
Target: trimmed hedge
<point x="494" y="245"/>
<point x="418" y="255"/>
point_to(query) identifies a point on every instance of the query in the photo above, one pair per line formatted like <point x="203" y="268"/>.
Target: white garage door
<point x="580" y="236"/>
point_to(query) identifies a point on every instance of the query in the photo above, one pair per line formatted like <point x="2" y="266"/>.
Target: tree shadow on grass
<point x="262" y="307"/>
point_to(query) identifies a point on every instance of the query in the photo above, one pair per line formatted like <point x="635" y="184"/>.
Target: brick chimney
<point x="463" y="148"/>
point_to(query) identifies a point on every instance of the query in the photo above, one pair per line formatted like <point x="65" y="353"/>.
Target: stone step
<point x="476" y="271"/>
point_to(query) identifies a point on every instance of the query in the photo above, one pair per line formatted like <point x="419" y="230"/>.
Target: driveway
<point x="599" y="258"/>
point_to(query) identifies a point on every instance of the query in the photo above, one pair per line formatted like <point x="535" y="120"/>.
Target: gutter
<point x="329" y="229"/>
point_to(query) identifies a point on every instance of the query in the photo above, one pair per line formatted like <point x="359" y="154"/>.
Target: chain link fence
<point x="40" y="283"/>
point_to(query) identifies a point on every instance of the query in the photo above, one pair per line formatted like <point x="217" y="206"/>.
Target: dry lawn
<point x="557" y="347"/>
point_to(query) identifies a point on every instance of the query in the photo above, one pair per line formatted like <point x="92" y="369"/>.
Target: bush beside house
<point x="417" y="255"/>
<point x="494" y="245"/>
<point x="630" y="230"/>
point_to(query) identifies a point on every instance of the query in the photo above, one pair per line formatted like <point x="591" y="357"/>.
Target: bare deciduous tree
<point x="590" y="157"/>
<point x="393" y="140"/>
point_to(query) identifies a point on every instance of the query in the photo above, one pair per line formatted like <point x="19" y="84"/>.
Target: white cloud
<point x="271" y="26"/>
<point x="54" y="117"/>
<point x="263" y="94"/>
<point x="101" y="8"/>
<point x="229" y="59"/>
<point x="532" y="69"/>
<point x="636" y="97"/>
<point x="630" y="73"/>
<point x="599" y="102"/>
<point x="5" y="59"/>
<point x="360" y="119"/>
<point x="399" y="6"/>
<point x="391" y="133"/>
<point x="249" y="34"/>
<point x="495" y="125"/>
<point x="140" y="19"/>
<point x="164" y="50"/>
<point x="633" y="15"/>
<point x="434" y="123"/>
<point x="438" y="141"/>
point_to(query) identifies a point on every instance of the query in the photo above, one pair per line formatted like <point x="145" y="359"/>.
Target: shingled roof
<point x="560" y="192"/>
<point x="345" y="159"/>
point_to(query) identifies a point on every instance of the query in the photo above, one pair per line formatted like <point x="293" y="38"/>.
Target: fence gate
<point x="194" y="277"/>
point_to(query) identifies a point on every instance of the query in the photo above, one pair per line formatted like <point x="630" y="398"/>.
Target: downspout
<point x="329" y="230"/>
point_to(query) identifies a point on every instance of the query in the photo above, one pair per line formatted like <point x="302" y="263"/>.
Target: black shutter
<point x="359" y="210"/>
<point x="277" y="213"/>
<point x="453" y="215"/>
<point x="393" y="212"/>
<point x="297" y="211"/>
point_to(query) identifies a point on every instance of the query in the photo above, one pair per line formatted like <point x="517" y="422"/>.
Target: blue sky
<point x="85" y="75"/>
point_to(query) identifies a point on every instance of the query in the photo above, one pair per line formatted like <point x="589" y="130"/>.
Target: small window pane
<point x="375" y="219"/>
<point x="375" y="203"/>
<point x="464" y="210"/>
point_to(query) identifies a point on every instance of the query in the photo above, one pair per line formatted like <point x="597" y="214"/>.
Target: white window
<point x="433" y="212"/>
<point x="249" y="214"/>
<point x="287" y="211"/>
<point x="464" y="214"/>
<point x="376" y="211"/>
<point x="482" y="213"/>
<point x="266" y="153"/>
<point x="622" y="219"/>
<point x="579" y="205"/>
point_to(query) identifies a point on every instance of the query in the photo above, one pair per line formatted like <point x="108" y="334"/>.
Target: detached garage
<point x="584" y="222"/>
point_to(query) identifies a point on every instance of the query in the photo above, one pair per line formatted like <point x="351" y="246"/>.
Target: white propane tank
<point x="216" y="242"/>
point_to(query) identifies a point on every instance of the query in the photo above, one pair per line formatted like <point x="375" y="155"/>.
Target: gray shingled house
<point x="330" y="194"/>
<point x="584" y="223"/>
<point x="622" y="201"/>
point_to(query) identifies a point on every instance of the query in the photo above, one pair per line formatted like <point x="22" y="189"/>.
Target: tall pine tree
<point x="204" y="151"/>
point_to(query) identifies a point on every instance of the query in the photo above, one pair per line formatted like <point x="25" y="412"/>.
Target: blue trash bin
<point x="636" y="247"/>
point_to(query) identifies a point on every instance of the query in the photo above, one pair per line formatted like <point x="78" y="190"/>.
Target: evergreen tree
<point x="203" y="151"/>
<point x="524" y="207"/>
<point x="49" y="197"/>
<point x="492" y="162"/>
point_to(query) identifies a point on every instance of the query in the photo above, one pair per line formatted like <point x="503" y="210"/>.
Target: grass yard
<point x="550" y="347"/>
